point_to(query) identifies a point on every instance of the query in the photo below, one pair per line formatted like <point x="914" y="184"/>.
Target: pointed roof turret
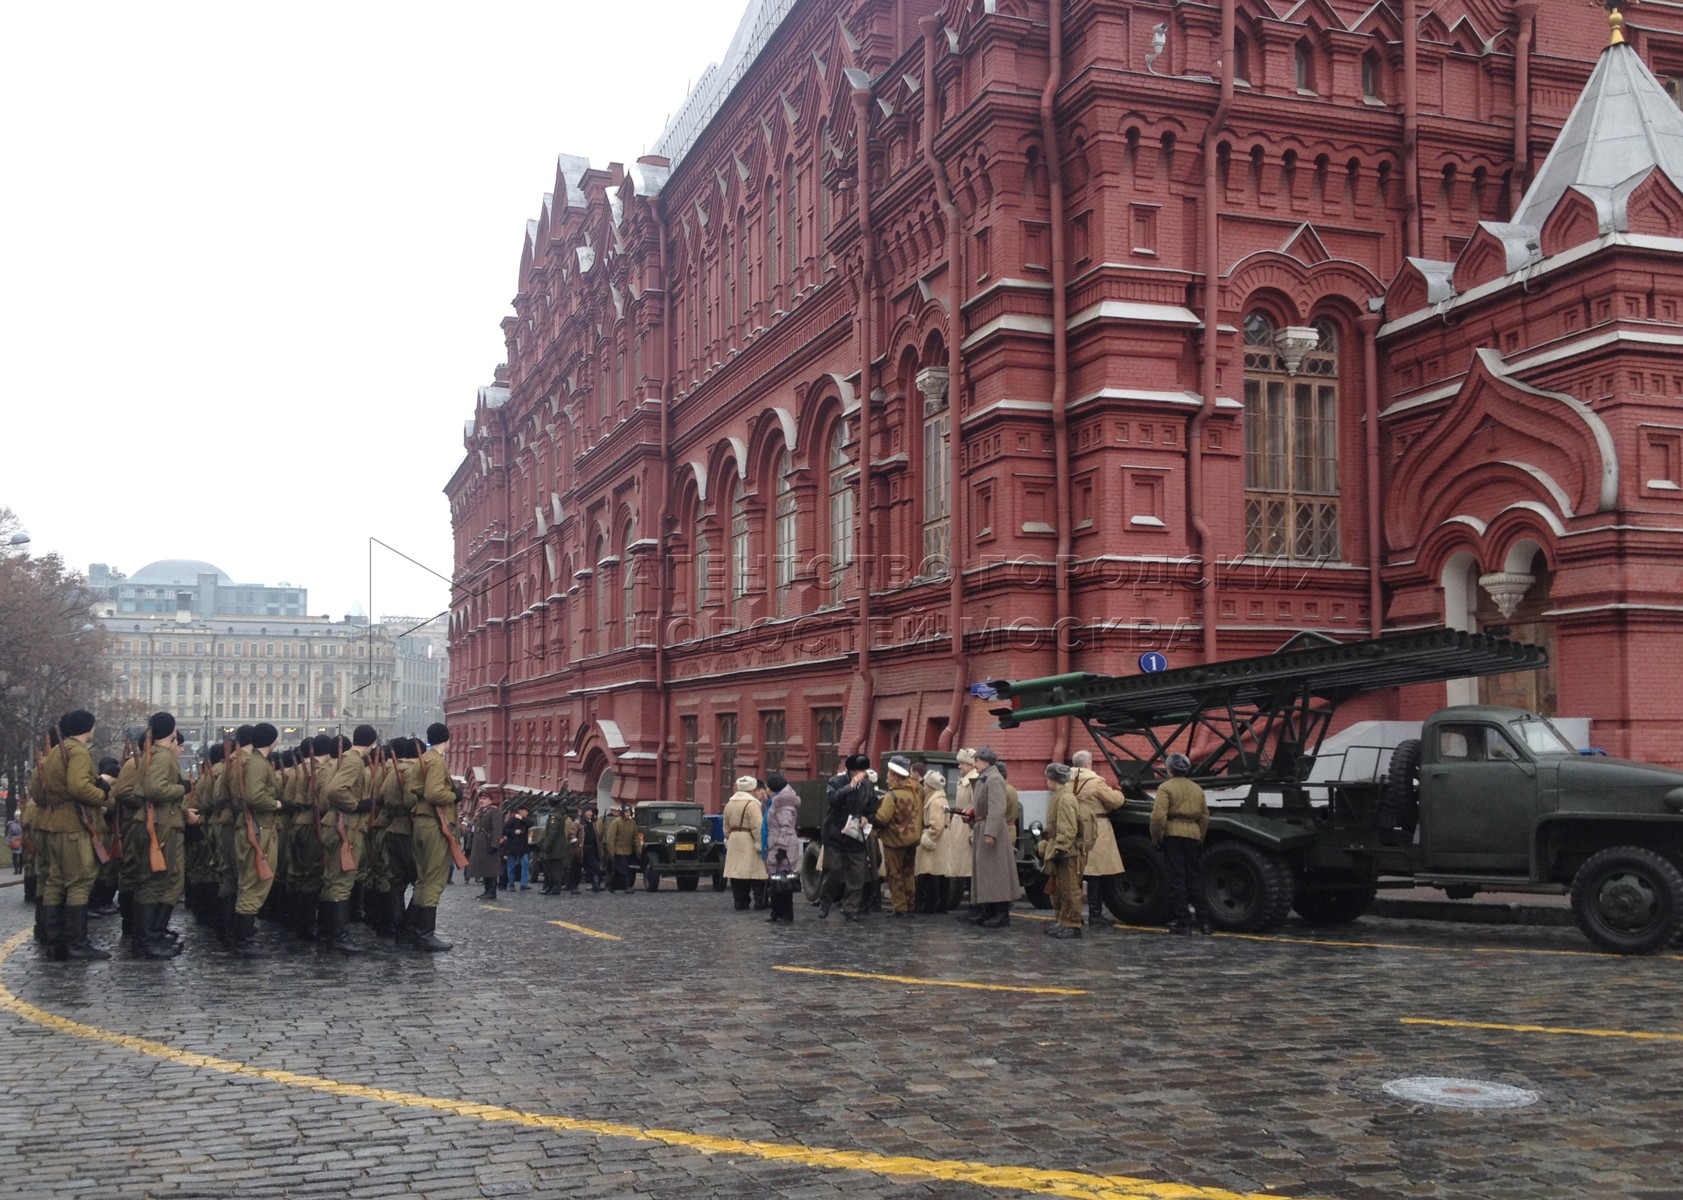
<point x="1623" y="126"/>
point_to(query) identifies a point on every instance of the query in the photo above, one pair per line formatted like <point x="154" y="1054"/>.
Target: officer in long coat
<point x="993" y="870"/>
<point x="486" y="860"/>
<point x="1063" y="853"/>
<point x="1098" y="799"/>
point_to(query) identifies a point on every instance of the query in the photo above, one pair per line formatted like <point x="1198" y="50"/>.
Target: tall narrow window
<point x="937" y="521"/>
<point x="1303" y="57"/>
<point x="821" y="153"/>
<point x="841" y="511"/>
<point x="705" y="299"/>
<point x="769" y="271"/>
<point x="628" y="587"/>
<point x="738" y="548"/>
<point x="784" y="565"/>
<point x="692" y="738"/>
<point x="1291" y="442"/>
<point x="727" y="284"/>
<point x="774" y="740"/>
<point x="792" y="226"/>
<point x="701" y="566"/>
<point x="744" y="273"/>
<point x="727" y="755"/>
<point x="695" y="314"/>
<point x="826" y="741"/>
<point x="620" y="383"/>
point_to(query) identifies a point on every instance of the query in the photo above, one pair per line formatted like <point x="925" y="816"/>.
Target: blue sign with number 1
<point x="1152" y="662"/>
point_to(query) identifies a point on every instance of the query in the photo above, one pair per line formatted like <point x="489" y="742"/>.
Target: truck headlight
<point x="706" y="839"/>
<point x="670" y="839"/>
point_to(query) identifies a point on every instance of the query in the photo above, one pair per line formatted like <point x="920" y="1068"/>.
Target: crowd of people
<point x="343" y="830"/>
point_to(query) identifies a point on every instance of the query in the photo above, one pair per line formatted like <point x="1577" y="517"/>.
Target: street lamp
<point x="18" y="539"/>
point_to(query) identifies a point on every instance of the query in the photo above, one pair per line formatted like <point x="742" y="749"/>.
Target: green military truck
<point x="1487" y="799"/>
<point x="673" y="840"/>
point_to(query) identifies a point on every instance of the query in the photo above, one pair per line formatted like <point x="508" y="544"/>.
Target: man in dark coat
<point x="847" y="863"/>
<point x="486" y="861"/>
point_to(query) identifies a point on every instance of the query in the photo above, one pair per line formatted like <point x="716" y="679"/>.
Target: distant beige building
<point x="421" y="666"/>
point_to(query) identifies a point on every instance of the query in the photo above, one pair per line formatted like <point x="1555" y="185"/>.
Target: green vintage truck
<point x="1487" y="799"/>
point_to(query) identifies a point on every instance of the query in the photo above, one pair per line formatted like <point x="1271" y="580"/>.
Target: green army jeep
<point x="674" y="839"/>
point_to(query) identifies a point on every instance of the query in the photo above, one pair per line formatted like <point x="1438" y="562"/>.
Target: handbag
<point x="782" y="883"/>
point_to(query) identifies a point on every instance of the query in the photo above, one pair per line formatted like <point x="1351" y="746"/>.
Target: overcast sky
<point x="256" y="257"/>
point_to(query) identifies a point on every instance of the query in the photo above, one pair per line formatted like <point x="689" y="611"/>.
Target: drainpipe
<point x="1411" y="127"/>
<point x="1527" y="16"/>
<point x="931" y="27"/>
<point x="867" y="541"/>
<point x="1211" y="344"/>
<point x="1060" y="359"/>
<point x="663" y="587"/>
<point x="1369" y="323"/>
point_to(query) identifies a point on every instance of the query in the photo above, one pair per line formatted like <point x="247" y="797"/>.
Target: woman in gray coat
<point x="993" y="876"/>
<point x="783" y="844"/>
<point x="486" y="861"/>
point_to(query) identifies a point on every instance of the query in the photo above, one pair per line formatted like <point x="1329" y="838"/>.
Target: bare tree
<point x="52" y="655"/>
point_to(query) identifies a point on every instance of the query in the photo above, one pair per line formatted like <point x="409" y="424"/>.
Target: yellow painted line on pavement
<point x="595" y="933"/>
<point x="495" y="908"/>
<point x="952" y="983"/>
<point x="1445" y="949"/>
<point x="1079" y="1184"/>
<point x="1637" y="1034"/>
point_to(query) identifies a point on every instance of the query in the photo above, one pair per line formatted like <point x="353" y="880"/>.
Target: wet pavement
<point x="651" y="1046"/>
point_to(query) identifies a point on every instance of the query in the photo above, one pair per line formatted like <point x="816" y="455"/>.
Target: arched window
<point x="770" y="269"/>
<point x="937" y="475"/>
<point x="841" y="510"/>
<point x="784" y="539"/>
<point x="604" y="618"/>
<point x="628" y="585"/>
<point x="738" y="547"/>
<point x="701" y="565"/>
<point x="1291" y="440"/>
<point x="792" y="226"/>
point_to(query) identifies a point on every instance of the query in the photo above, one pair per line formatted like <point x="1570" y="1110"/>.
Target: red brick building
<point x="937" y="346"/>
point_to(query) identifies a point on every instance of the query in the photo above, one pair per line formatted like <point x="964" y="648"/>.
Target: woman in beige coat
<point x="931" y="896"/>
<point x="952" y="851"/>
<point x="744" y="867"/>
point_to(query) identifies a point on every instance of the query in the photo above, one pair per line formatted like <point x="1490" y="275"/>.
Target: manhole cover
<point x="1460" y="1093"/>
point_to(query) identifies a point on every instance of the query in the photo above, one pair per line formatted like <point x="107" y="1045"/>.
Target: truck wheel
<point x="1628" y="900"/>
<point x="1138" y="896"/>
<point x="1399" y="799"/>
<point x="651" y="877"/>
<point x="1334" y="905"/>
<point x="688" y="883"/>
<point x="1248" y="889"/>
<point x="811" y="877"/>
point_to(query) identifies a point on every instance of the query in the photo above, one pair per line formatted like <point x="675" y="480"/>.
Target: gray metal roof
<point x="1624" y="125"/>
<point x="758" y="23"/>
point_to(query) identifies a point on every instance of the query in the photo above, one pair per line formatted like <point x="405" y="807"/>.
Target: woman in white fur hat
<point x="743" y="865"/>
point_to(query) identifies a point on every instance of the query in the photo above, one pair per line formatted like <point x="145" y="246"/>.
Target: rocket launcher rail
<point x="1250" y="719"/>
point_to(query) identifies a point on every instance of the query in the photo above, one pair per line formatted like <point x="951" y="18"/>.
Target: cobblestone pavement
<point x="537" y="1060"/>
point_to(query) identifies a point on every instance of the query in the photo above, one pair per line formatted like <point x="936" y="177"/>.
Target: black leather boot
<point x="51" y="917"/>
<point x="245" y="936"/>
<point x="149" y="941"/>
<point x="424" y="922"/>
<point x="338" y="918"/>
<point x="76" y="944"/>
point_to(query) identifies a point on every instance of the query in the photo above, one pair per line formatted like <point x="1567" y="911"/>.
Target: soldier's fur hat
<point x="242" y="735"/>
<point x="264" y="735"/>
<point x="160" y="726"/>
<point x="437" y="733"/>
<point x="322" y="744"/>
<point x="75" y="723"/>
<point x="365" y="735"/>
<point x="858" y="762"/>
<point x="1057" y="772"/>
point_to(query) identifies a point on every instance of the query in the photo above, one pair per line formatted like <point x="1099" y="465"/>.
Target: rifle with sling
<point x="456" y="855"/>
<point x="101" y="854"/>
<point x="264" y="870"/>
<point x="154" y="852"/>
